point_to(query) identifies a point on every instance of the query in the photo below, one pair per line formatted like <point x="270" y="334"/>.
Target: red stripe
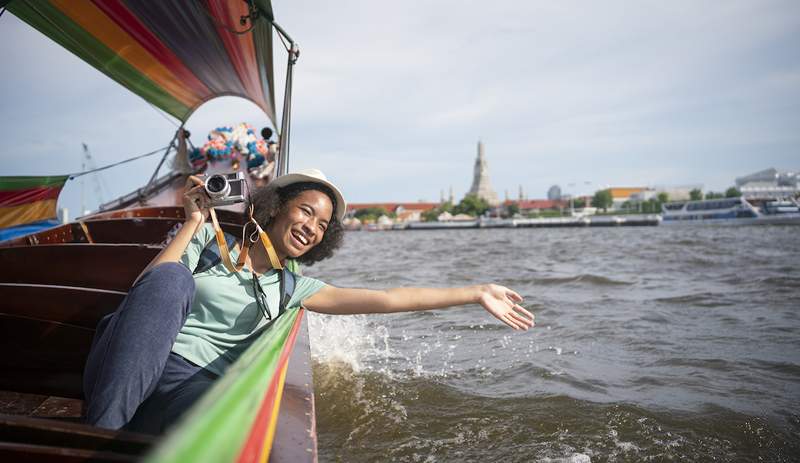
<point x="27" y="195"/>
<point x="241" y="48"/>
<point x="255" y="441"/>
<point x="128" y="22"/>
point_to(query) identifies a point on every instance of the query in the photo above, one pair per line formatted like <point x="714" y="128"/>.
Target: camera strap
<point x="224" y="252"/>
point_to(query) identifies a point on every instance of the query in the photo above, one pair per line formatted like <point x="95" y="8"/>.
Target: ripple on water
<point x="666" y="320"/>
<point x="585" y="278"/>
<point x="369" y="417"/>
<point x="700" y="299"/>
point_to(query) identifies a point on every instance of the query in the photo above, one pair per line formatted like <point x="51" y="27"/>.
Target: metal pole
<point x="286" y="117"/>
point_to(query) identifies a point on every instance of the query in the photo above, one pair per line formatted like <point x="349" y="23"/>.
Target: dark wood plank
<point x="174" y="212"/>
<point x="18" y="403"/>
<point x="79" y="436"/>
<point x="140" y="230"/>
<point x="59" y="407"/>
<point x="67" y="233"/>
<point x="131" y="230"/>
<point x="42" y="357"/>
<point x="64" y="304"/>
<point x="100" y="266"/>
<point x="170" y="212"/>
<point x="43" y="382"/>
<point x="29" y="453"/>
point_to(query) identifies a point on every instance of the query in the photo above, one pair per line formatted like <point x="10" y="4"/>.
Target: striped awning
<point x="176" y="54"/>
<point x="27" y="200"/>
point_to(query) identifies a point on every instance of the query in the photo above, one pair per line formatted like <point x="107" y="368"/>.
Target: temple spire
<point x="480" y="180"/>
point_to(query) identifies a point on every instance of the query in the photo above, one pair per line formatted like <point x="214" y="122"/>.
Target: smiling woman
<point x="177" y="331"/>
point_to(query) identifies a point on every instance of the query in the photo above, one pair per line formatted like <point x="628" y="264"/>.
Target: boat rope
<point x="2" y="10"/>
<point x="283" y="41"/>
<point x="162" y="114"/>
<point x="163" y="158"/>
<point x="78" y="174"/>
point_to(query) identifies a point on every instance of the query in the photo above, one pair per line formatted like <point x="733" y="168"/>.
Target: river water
<point x="671" y="343"/>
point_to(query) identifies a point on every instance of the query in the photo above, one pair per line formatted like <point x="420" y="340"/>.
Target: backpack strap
<point x="288" y="280"/>
<point x="210" y="256"/>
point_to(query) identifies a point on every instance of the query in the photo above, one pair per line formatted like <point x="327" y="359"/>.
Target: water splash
<point x="351" y="340"/>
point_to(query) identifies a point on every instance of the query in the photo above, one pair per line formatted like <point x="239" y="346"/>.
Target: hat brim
<point x="288" y="179"/>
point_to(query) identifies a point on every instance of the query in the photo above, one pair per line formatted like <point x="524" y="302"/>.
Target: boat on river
<point x="57" y="282"/>
<point x="731" y="211"/>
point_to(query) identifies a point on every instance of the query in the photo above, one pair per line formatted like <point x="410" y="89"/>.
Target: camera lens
<point x="217" y="186"/>
<point x="216" y="183"/>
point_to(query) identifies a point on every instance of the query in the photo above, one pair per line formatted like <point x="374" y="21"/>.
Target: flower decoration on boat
<point x="237" y="143"/>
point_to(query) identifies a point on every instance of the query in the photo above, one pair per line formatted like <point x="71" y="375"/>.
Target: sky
<point x="391" y="98"/>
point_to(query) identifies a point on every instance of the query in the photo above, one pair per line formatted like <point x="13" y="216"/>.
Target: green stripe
<point x="217" y="426"/>
<point x="24" y="182"/>
<point x="50" y="21"/>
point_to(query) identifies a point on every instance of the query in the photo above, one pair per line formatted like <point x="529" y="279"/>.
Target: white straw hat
<point x="314" y="176"/>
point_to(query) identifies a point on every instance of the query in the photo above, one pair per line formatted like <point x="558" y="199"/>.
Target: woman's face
<point x="301" y="224"/>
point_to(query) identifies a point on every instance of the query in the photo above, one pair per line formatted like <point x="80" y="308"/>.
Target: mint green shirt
<point x="225" y="318"/>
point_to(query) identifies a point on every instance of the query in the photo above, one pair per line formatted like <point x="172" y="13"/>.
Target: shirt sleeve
<point x="304" y="288"/>
<point x="191" y="255"/>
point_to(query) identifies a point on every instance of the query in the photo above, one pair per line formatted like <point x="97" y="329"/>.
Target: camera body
<point x="225" y="189"/>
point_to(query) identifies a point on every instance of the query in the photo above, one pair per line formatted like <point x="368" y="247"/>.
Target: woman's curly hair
<point x="268" y="202"/>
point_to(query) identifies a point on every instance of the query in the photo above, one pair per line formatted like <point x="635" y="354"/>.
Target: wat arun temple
<point x="480" y="180"/>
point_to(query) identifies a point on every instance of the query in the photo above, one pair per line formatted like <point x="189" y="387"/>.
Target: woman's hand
<point x="195" y="200"/>
<point x="195" y="205"/>
<point x="503" y="303"/>
<point x="499" y="301"/>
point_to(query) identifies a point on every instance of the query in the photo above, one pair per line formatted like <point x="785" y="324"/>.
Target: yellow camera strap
<point x="273" y="256"/>
<point x="224" y="252"/>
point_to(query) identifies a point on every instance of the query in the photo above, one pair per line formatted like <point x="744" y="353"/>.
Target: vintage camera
<point x="225" y="189"/>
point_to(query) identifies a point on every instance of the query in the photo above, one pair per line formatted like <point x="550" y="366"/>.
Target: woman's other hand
<point x="195" y="200"/>
<point x="503" y="303"/>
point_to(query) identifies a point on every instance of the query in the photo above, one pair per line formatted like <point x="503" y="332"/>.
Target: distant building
<point x="554" y="193"/>
<point x="620" y="195"/>
<point x="769" y="183"/>
<point x="480" y="179"/>
<point x="405" y="212"/>
<point x="674" y="193"/>
<point x="678" y="193"/>
<point x="538" y="205"/>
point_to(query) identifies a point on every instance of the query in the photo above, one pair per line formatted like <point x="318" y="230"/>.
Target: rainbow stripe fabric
<point x="237" y="418"/>
<point x="176" y="54"/>
<point x="29" y="200"/>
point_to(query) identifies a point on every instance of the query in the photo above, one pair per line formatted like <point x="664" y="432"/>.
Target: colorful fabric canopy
<point x="176" y="54"/>
<point x="25" y="200"/>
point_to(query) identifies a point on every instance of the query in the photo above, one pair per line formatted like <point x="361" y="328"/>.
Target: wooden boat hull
<point x="55" y="286"/>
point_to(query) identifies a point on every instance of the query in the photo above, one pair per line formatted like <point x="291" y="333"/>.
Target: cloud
<point x="390" y="98"/>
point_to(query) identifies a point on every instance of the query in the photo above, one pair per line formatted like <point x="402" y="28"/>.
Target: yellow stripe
<point x="95" y="22"/>
<point x="273" y="420"/>
<point x="27" y="213"/>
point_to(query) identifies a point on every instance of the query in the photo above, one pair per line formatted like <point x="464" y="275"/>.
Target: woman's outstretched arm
<point x="499" y="301"/>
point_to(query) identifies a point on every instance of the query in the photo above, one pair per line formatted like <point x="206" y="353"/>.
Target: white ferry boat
<point x="734" y="211"/>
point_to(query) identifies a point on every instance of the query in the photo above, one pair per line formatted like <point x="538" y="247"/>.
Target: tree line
<point x="474" y="206"/>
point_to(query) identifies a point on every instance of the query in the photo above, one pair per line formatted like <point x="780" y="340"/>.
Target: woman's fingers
<point x="521" y="310"/>
<point x="508" y="320"/>
<point x="195" y="190"/>
<point x="513" y="295"/>
<point x="526" y="322"/>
